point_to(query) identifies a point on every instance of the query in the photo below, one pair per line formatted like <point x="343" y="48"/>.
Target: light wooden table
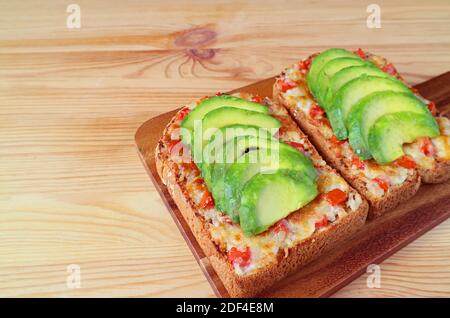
<point x="72" y="189"/>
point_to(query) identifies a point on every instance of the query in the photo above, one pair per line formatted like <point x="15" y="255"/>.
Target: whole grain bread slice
<point x="378" y="206"/>
<point x="286" y="262"/>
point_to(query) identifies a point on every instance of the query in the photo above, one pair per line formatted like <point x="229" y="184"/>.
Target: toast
<point x="286" y="246"/>
<point x="384" y="186"/>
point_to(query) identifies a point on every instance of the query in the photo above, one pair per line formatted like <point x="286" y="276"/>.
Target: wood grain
<point x="375" y="242"/>
<point x="72" y="189"/>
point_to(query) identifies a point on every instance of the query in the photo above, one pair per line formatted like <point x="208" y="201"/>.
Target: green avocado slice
<point x="226" y="116"/>
<point x="369" y="109"/>
<point x="212" y="103"/>
<point x="352" y="92"/>
<point x="213" y="172"/>
<point x="328" y="71"/>
<point x="228" y="152"/>
<point x="268" y="198"/>
<point x="319" y="61"/>
<point x="346" y="75"/>
<point x="391" y="131"/>
<point x="239" y="173"/>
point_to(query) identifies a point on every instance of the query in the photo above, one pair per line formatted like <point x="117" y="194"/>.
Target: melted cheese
<point x="301" y="224"/>
<point x="392" y="173"/>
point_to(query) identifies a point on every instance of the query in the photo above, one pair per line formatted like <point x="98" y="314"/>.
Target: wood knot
<point x="201" y="54"/>
<point x="195" y="37"/>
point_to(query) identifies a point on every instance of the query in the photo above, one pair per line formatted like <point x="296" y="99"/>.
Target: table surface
<point x="72" y="188"/>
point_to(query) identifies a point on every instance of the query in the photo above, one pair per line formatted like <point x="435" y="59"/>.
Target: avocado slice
<point x="228" y="152"/>
<point x="369" y="109"/>
<point x="391" y="131"/>
<point x="224" y="135"/>
<point x="226" y="116"/>
<point x="227" y="133"/>
<point x="238" y="174"/>
<point x="319" y="61"/>
<point x="327" y="72"/>
<point x="346" y="75"/>
<point x="267" y="198"/>
<point x="232" y="153"/>
<point x="211" y="103"/>
<point x="352" y="92"/>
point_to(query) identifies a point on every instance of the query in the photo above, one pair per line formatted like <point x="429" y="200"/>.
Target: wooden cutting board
<point x="375" y="242"/>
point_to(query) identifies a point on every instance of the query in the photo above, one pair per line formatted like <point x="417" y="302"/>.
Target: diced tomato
<point x="432" y="108"/>
<point x="382" y="183"/>
<point x="257" y="99"/>
<point x="316" y="112"/>
<point x="282" y="227"/>
<point x="427" y="147"/>
<point x="406" y="162"/>
<point x="172" y="144"/>
<point x="336" y="141"/>
<point x="296" y="145"/>
<point x="207" y="201"/>
<point x="360" y="53"/>
<point x="336" y="197"/>
<point x="322" y="222"/>
<point x="285" y="86"/>
<point x="183" y="113"/>
<point x="305" y="64"/>
<point x="358" y="163"/>
<point x="189" y="166"/>
<point x="239" y="256"/>
<point x="390" y="69"/>
<point x="219" y="94"/>
<point x="414" y="90"/>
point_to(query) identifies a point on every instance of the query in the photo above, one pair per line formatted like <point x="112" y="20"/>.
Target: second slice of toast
<point x="384" y="186"/>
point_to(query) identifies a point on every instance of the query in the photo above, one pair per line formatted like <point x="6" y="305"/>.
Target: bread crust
<point x="378" y="206"/>
<point x="437" y="174"/>
<point x="260" y="279"/>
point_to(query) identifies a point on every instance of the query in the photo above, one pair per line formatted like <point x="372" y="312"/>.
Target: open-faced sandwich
<point x="258" y="197"/>
<point x="371" y="126"/>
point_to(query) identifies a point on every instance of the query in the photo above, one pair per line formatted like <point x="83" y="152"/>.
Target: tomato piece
<point x="285" y="86"/>
<point x="296" y="145"/>
<point x="414" y="90"/>
<point x="190" y="166"/>
<point x="406" y="162"/>
<point x="382" y="183"/>
<point x="257" y="99"/>
<point x="361" y="53"/>
<point x="172" y="144"/>
<point x="281" y="226"/>
<point x="305" y="64"/>
<point x="183" y="113"/>
<point x="336" y="141"/>
<point x="427" y="147"/>
<point x="432" y="108"/>
<point x="207" y="201"/>
<point x="239" y="256"/>
<point x="322" y="222"/>
<point x="390" y="69"/>
<point x="358" y="163"/>
<point x="316" y="112"/>
<point x="336" y="197"/>
<point x="219" y="94"/>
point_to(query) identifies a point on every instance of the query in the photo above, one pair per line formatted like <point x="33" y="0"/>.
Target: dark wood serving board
<point x="374" y="243"/>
